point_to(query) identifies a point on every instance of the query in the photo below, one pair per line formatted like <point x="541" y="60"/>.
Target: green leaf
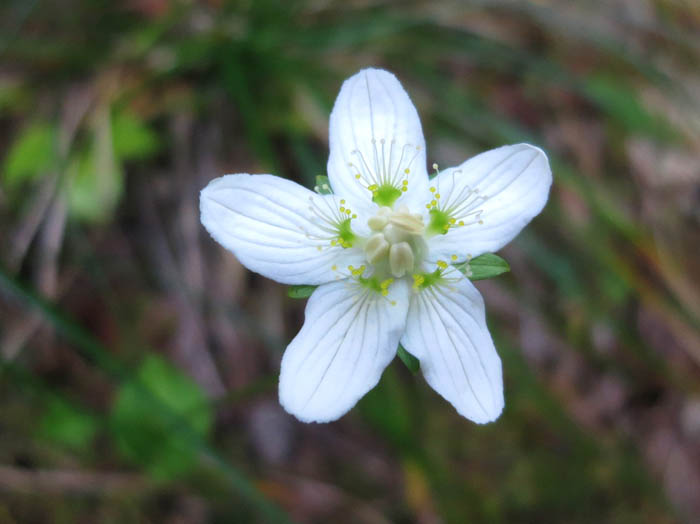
<point x="484" y="266"/>
<point x="93" y="191"/>
<point x="67" y="425"/>
<point x="147" y="435"/>
<point x="132" y="138"/>
<point x="621" y="104"/>
<point x="32" y="154"/>
<point x="300" y="291"/>
<point x="323" y="186"/>
<point x="95" y="178"/>
<point x="411" y="362"/>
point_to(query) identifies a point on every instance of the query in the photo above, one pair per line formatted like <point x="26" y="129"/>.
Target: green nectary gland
<point x="439" y="222"/>
<point x="386" y="195"/>
<point x="372" y="283"/>
<point x="430" y="279"/>
<point x="345" y="233"/>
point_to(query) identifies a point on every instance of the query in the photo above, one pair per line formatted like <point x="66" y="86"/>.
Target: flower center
<point x="396" y="245"/>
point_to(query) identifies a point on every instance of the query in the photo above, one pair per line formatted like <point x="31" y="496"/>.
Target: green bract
<point x="484" y="266"/>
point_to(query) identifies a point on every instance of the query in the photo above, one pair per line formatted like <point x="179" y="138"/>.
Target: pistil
<point x="397" y="245"/>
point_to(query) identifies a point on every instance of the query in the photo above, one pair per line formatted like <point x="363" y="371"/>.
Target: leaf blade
<point x="411" y="362"/>
<point x="484" y="266"/>
<point x="302" y="291"/>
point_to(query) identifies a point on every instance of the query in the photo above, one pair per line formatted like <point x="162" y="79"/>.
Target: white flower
<point x="382" y="249"/>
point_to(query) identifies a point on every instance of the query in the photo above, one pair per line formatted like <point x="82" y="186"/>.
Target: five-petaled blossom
<point x="382" y="249"/>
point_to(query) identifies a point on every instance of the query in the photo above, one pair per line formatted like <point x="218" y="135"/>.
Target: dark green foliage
<point x="65" y="424"/>
<point x="147" y="432"/>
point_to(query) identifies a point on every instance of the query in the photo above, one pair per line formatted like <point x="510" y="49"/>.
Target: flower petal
<point x="375" y="136"/>
<point x="349" y="336"/>
<point x="446" y="330"/>
<point x="269" y="224"/>
<point x="495" y="194"/>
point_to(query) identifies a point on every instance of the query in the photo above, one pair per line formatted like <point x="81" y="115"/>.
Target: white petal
<point x="266" y="221"/>
<point x="446" y="330"/>
<point x="515" y="181"/>
<point x="349" y="336"/>
<point x="375" y="127"/>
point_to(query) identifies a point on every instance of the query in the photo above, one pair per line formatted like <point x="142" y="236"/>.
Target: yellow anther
<point x="357" y="271"/>
<point x="358" y="176"/>
<point x="427" y="206"/>
<point x="407" y="171"/>
<point x="354" y="215"/>
<point x="461" y="222"/>
<point x="373" y="187"/>
<point x="404" y="189"/>
<point x="432" y="190"/>
<point x="442" y="264"/>
<point x="342" y="209"/>
<point x="334" y="267"/>
<point x="334" y="242"/>
<point x="393" y="302"/>
<point x="417" y="280"/>
<point x="453" y="257"/>
<point x="405" y="182"/>
<point x="437" y="195"/>
<point x="342" y="202"/>
<point x="348" y="212"/>
<point x="433" y="203"/>
<point x="452" y="220"/>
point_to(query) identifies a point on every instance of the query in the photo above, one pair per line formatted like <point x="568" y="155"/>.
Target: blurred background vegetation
<point x="139" y="360"/>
